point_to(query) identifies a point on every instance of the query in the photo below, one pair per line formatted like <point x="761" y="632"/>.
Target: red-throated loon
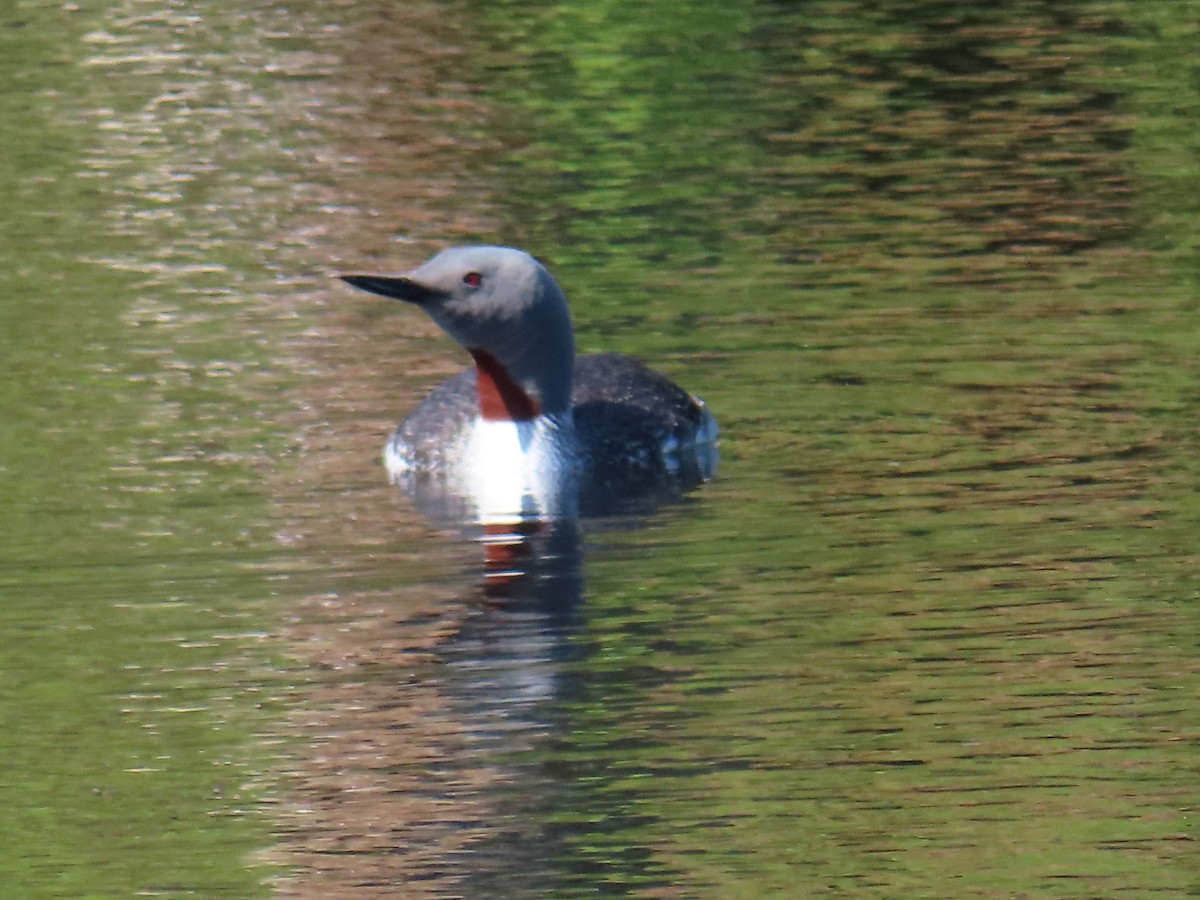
<point x="532" y="411"/>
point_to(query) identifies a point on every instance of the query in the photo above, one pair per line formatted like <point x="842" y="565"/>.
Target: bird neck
<point x="501" y="398"/>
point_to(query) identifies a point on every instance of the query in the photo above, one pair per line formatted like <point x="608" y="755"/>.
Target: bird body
<point x="532" y="419"/>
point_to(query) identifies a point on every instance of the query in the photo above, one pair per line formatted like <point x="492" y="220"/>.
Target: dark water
<point x="931" y="632"/>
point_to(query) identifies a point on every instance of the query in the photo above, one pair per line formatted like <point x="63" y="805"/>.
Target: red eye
<point x="472" y="279"/>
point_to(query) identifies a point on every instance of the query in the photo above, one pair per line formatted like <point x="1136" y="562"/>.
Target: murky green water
<point x="932" y="631"/>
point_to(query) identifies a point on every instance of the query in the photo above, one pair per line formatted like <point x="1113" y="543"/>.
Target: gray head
<point x="502" y="302"/>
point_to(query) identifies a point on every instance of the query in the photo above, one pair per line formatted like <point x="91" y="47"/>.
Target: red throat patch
<point x="500" y="398"/>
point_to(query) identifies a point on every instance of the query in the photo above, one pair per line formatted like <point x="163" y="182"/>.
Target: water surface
<point x="931" y="632"/>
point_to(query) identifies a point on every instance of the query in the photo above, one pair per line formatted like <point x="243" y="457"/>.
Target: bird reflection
<point x="513" y="663"/>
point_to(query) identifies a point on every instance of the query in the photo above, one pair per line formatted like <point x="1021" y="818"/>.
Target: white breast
<point x="515" y="470"/>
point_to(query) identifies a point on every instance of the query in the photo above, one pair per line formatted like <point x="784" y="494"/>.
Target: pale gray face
<point x="499" y="300"/>
<point x="487" y="297"/>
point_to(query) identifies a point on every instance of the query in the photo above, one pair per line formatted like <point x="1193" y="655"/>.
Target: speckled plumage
<point x="626" y="415"/>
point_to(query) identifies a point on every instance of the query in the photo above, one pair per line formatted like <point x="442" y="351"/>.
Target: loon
<point x="531" y="415"/>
